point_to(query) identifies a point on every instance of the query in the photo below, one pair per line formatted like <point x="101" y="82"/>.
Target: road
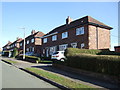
<point x="13" y="77"/>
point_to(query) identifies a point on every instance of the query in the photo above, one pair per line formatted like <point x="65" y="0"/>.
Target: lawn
<point x="59" y="79"/>
<point x="10" y="61"/>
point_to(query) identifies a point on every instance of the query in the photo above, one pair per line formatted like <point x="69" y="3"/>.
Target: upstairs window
<point x="54" y="38"/>
<point x="27" y="41"/>
<point x="45" y="40"/>
<point x="20" y="44"/>
<point x="32" y="40"/>
<point x="64" y="35"/>
<point x="80" y="31"/>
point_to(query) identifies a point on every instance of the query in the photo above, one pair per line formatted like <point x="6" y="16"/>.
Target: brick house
<point x="117" y="48"/>
<point x="7" y="46"/>
<point x="32" y="43"/>
<point x="15" y="44"/>
<point x="86" y="32"/>
<point x="10" y="46"/>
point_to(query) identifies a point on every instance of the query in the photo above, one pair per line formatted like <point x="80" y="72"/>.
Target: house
<point x="7" y="46"/>
<point x="32" y="43"/>
<point x="117" y="48"/>
<point x="10" y="46"/>
<point x="86" y="32"/>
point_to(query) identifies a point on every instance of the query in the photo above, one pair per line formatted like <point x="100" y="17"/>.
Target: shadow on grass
<point x="75" y="76"/>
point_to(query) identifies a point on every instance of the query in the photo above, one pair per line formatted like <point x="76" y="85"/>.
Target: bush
<point x="105" y="64"/>
<point x="5" y="53"/>
<point x="71" y="51"/>
<point x="32" y="59"/>
<point x="15" y="52"/>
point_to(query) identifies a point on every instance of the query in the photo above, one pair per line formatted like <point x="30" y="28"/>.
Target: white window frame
<point x="64" y="35"/>
<point x="45" y="40"/>
<point x="32" y="40"/>
<point x="63" y="47"/>
<point x="32" y="49"/>
<point x="80" y="31"/>
<point x="20" y="44"/>
<point x="54" y="38"/>
<point x="53" y="49"/>
<point x="28" y="41"/>
<point x="82" y="45"/>
<point x="74" y="45"/>
<point x="27" y="49"/>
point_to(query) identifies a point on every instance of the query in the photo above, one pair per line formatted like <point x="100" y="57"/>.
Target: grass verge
<point x="59" y="79"/>
<point x="10" y="61"/>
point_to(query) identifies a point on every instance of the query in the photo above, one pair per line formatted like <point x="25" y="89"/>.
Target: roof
<point x="82" y="21"/>
<point x="36" y="34"/>
<point x="7" y="44"/>
<point x="117" y="46"/>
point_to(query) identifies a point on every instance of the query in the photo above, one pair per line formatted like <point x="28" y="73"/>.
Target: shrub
<point x="105" y="64"/>
<point x="15" y="52"/>
<point x="32" y="59"/>
<point x="71" y="51"/>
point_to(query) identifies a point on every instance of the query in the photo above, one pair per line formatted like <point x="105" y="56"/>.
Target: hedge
<point x="90" y="51"/>
<point x="32" y="59"/>
<point x="105" y="64"/>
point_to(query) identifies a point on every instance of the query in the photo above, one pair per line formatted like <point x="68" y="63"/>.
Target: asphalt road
<point x="13" y="77"/>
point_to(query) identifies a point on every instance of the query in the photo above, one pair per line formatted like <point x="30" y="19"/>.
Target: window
<point x="32" y="40"/>
<point x="15" y="44"/>
<point x="20" y="44"/>
<point x="64" y="35"/>
<point x="45" y="40"/>
<point x="74" y="45"/>
<point x="82" y="45"/>
<point x="54" y="38"/>
<point x="27" y="41"/>
<point x="27" y="49"/>
<point x="53" y="50"/>
<point x="63" y="47"/>
<point x="80" y="31"/>
<point x="33" y="49"/>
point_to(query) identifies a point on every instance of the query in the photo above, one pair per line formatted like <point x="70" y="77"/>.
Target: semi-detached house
<point x="86" y="32"/>
<point x="32" y="43"/>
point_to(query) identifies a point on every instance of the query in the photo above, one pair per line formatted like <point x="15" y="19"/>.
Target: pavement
<point x="13" y="77"/>
<point x="72" y="76"/>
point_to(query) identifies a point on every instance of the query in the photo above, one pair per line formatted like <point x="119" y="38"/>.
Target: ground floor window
<point x="63" y="47"/>
<point x="53" y="50"/>
<point x="82" y="45"/>
<point x="74" y="45"/>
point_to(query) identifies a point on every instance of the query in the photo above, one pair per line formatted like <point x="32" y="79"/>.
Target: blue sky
<point x="45" y="16"/>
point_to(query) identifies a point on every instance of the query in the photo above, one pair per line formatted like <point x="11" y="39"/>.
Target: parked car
<point x="59" y="55"/>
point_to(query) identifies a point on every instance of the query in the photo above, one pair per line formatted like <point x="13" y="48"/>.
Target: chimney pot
<point x="33" y="32"/>
<point x="68" y="20"/>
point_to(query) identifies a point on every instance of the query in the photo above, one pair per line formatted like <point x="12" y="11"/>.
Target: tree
<point x="15" y="52"/>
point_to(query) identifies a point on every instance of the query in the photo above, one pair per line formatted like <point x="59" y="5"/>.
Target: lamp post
<point x="24" y="44"/>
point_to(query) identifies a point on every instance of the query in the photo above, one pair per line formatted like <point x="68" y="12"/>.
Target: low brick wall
<point x="99" y="76"/>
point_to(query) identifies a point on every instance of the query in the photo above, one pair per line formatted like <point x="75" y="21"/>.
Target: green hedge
<point x="32" y="59"/>
<point x="90" y="51"/>
<point x="105" y="64"/>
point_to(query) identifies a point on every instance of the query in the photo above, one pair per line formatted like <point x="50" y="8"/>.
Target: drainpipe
<point x="97" y="37"/>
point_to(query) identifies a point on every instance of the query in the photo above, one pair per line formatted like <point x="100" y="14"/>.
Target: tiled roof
<point x="81" y="21"/>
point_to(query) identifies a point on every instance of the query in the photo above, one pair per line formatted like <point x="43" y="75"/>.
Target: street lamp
<point x="24" y="44"/>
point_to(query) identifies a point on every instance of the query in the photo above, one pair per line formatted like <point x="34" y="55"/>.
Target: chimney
<point x="68" y="20"/>
<point x="33" y="32"/>
<point x="17" y="38"/>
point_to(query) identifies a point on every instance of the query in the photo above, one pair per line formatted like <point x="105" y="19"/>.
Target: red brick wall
<point x="72" y="37"/>
<point x="103" y="40"/>
<point x="117" y="49"/>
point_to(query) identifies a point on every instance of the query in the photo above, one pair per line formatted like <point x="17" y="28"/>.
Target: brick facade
<point x="32" y="43"/>
<point x="117" y="48"/>
<point x="96" y="35"/>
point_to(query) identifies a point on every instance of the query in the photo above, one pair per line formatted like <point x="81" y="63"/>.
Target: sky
<point x="45" y="16"/>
